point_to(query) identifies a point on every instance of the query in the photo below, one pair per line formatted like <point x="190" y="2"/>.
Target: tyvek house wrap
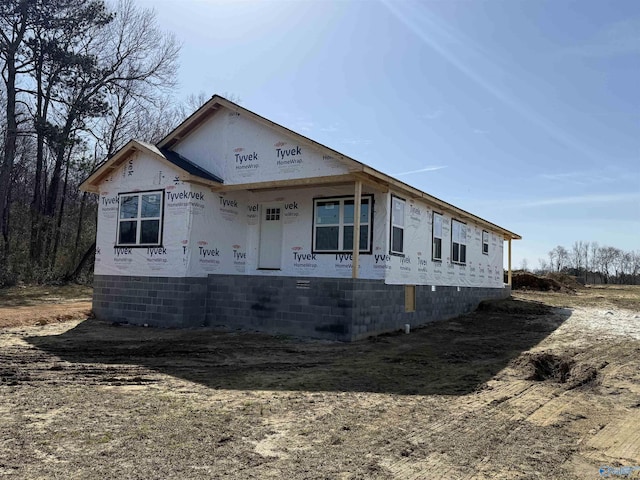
<point x="417" y="267"/>
<point x="240" y="150"/>
<point x="143" y="173"/>
<point x="205" y="232"/>
<point x="226" y="239"/>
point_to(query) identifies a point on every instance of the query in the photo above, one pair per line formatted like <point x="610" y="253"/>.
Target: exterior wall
<point x="339" y="309"/>
<point x="207" y="232"/>
<point x="180" y="204"/>
<point x="416" y="266"/>
<point x="225" y="239"/>
<point x="156" y="301"/>
<point x="380" y="308"/>
<point x="319" y="308"/>
<point x="241" y="150"/>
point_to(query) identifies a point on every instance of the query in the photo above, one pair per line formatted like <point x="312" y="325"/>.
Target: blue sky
<point x="526" y="113"/>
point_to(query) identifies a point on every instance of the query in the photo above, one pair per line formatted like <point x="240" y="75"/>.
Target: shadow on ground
<point x="453" y="357"/>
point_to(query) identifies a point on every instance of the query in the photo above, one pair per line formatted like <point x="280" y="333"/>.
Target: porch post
<point x="509" y="274"/>
<point x="356" y="229"/>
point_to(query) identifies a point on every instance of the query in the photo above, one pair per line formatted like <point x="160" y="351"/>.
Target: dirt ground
<point x="517" y="389"/>
<point x="39" y="305"/>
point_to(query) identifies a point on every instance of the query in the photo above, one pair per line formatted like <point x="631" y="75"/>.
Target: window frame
<point x="341" y="200"/>
<point x="433" y="236"/>
<point x="391" y="226"/>
<point x="138" y="219"/>
<point x="485" y="243"/>
<point x="453" y="243"/>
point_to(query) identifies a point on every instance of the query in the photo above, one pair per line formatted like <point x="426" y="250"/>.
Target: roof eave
<point x="92" y="183"/>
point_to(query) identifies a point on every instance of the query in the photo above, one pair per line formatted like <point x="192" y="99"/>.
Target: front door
<point x="270" y="254"/>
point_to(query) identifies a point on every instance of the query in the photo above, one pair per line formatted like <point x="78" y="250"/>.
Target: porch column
<point x="509" y="274"/>
<point x="356" y="229"/>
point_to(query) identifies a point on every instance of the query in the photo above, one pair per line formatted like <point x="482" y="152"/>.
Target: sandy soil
<point x="39" y="305"/>
<point x="38" y="315"/>
<point x="515" y="390"/>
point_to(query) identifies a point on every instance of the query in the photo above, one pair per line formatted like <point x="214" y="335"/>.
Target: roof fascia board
<point x="189" y="178"/>
<point x="90" y="183"/>
<point x="190" y="123"/>
<point x="293" y="183"/>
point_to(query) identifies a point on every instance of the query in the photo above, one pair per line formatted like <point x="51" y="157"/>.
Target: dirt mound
<point x="566" y="280"/>
<point x="546" y="366"/>
<point x="529" y="281"/>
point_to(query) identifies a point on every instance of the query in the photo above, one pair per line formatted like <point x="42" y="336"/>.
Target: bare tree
<point x="579" y="257"/>
<point x="594" y="248"/>
<point x="635" y="267"/>
<point x="585" y="252"/>
<point x="78" y="76"/>
<point x="605" y="259"/>
<point x="543" y="266"/>
<point x="14" y="19"/>
<point x="139" y="68"/>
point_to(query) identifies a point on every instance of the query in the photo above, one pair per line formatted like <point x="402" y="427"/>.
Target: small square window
<point x="272" y="214"/>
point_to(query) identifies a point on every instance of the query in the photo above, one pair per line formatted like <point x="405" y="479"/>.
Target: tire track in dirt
<point x="217" y="406"/>
<point x="509" y="410"/>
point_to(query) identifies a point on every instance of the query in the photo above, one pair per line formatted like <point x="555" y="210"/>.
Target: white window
<point x="140" y="218"/>
<point x="458" y="242"/>
<point x="485" y="242"/>
<point x="333" y="224"/>
<point x="436" y="249"/>
<point x="397" y="225"/>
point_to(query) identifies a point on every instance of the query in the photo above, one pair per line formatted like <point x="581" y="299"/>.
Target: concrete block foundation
<point x="331" y="308"/>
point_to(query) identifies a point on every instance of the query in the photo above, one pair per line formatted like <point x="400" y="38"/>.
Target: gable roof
<point x="196" y="174"/>
<point x="192" y="172"/>
<point x="358" y="169"/>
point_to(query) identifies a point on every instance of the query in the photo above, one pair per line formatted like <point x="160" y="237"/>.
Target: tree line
<point x="592" y="263"/>
<point x="79" y="79"/>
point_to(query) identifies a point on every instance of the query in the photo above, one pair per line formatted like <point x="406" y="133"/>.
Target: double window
<point x="458" y="242"/>
<point x="485" y="242"/>
<point x="436" y="247"/>
<point x="397" y="225"/>
<point x="140" y="219"/>
<point x="333" y="224"/>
